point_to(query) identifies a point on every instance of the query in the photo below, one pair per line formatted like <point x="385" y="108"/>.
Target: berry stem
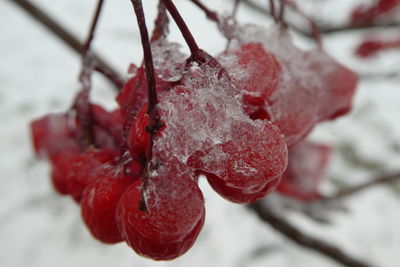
<point x="149" y="67"/>
<point x="148" y="58"/>
<point x="281" y="15"/>
<point x="82" y="101"/>
<point x="266" y="214"/>
<point x="210" y="14"/>
<point x="89" y="39"/>
<point x="233" y="16"/>
<point x="314" y="27"/>
<point x="187" y="35"/>
<point x="161" y="23"/>
<point x="235" y="8"/>
<point x="272" y="10"/>
<point x="384" y="179"/>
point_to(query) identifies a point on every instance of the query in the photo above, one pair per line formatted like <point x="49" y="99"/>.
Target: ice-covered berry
<point x="98" y="205"/>
<point x="161" y="215"/>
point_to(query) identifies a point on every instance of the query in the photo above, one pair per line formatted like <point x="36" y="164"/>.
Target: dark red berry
<point x="161" y="217"/>
<point x="98" y="205"/>
<point x="307" y="164"/>
<point x="86" y="167"/>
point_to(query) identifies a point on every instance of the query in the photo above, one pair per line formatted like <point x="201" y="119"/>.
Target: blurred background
<point x="38" y="75"/>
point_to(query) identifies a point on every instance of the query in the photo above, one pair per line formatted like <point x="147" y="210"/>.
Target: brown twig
<point x="379" y="75"/>
<point x="150" y="75"/>
<point x="325" y="29"/>
<point x="296" y="235"/>
<point x="69" y="39"/>
<point x="187" y="35"/>
<point x="210" y="14"/>
<point x="161" y="23"/>
<point x="82" y="100"/>
<point x="387" y="178"/>
<point x="92" y="29"/>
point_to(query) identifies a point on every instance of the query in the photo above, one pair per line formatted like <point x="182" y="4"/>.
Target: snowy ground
<point x="40" y="228"/>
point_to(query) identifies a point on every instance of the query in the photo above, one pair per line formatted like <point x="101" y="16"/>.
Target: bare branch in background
<point x="296" y="235"/>
<point x="69" y="39"/>
<point x="387" y="178"/>
<point x="324" y="29"/>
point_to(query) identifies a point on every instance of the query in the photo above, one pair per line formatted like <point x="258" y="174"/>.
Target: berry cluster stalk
<point x="68" y="39"/>
<point x="82" y="102"/>
<point x="148" y="58"/>
<point x="149" y="67"/>
<point x="161" y="23"/>
<point x="187" y="35"/>
<point x="211" y="14"/>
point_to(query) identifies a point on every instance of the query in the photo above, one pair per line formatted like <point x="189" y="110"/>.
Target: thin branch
<point x="297" y="236"/>
<point x="161" y="23"/>
<point x="272" y="10"/>
<point x="235" y="8"/>
<point x="388" y="178"/>
<point x="82" y="101"/>
<point x="92" y="29"/>
<point x="187" y="35"/>
<point x="211" y="14"/>
<point x="379" y="76"/>
<point x="325" y="29"/>
<point x="69" y="39"/>
<point x="147" y="55"/>
<point x="150" y="75"/>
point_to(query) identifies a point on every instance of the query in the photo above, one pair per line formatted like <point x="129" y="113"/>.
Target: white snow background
<point x="38" y="75"/>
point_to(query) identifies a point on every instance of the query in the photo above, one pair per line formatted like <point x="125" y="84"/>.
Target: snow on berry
<point x="169" y="64"/>
<point x="310" y="86"/>
<point x="204" y="118"/>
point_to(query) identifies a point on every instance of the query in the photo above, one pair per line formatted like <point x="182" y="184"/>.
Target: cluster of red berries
<point x="366" y="14"/>
<point x="231" y="118"/>
<point x="374" y="45"/>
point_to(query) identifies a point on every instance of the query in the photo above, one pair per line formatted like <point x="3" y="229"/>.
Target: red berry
<point x="86" y="167"/>
<point x="307" y="163"/>
<point x="237" y="195"/>
<point x="255" y="71"/>
<point x="107" y="127"/>
<point x="247" y="167"/>
<point x="161" y="217"/>
<point x="99" y="202"/>
<point x="54" y="134"/>
<point x="60" y="168"/>
<point x="364" y="14"/>
<point x="338" y="85"/>
<point x="139" y="137"/>
<point x="134" y="93"/>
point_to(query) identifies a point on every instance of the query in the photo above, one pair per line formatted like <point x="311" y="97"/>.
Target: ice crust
<point x="199" y="113"/>
<point x="168" y="61"/>
<point x="312" y="86"/>
<point x="205" y="115"/>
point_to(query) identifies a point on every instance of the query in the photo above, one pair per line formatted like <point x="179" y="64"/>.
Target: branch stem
<point x="69" y="39"/>
<point x="187" y="35"/>
<point x="209" y="13"/>
<point x="93" y="25"/>
<point x="297" y="236"/>
<point x="147" y="55"/>
<point x="387" y="178"/>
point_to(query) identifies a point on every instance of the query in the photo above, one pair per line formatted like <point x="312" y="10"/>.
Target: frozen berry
<point x="99" y="202"/>
<point x="161" y="216"/>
